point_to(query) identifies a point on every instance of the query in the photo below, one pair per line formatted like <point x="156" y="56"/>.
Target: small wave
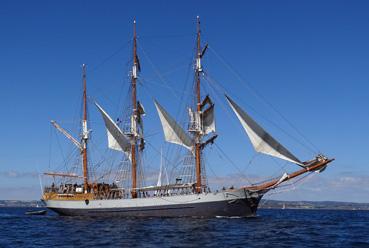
<point x="229" y="217"/>
<point x="7" y="215"/>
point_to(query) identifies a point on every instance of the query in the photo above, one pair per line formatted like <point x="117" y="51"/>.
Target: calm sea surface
<point x="272" y="228"/>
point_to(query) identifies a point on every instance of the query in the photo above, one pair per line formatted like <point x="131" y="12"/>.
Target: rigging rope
<point x="162" y="79"/>
<point x="156" y="70"/>
<point x="104" y="61"/>
<point x="212" y="86"/>
<point x="260" y="96"/>
<point x="230" y="118"/>
<point x="213" y="82"/>
<point x="232" y="163"/>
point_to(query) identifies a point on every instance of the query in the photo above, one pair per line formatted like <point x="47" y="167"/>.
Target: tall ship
<point x="83" y="193"/>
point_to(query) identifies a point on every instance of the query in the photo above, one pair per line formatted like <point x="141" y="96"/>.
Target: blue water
<point x="272" y="228"/>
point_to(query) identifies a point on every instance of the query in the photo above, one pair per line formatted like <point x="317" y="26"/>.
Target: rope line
<point x="260" y="96"/>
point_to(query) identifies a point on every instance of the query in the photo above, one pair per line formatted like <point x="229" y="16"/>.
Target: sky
<point x="298" y="67"/>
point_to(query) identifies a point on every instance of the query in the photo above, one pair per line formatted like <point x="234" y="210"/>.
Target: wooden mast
<point x="134" y="114"/>
<point x="84" y="131"/>
<point x="198" y="70"/>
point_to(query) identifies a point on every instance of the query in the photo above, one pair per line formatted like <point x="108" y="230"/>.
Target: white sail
<point x="282" y="179"/>
<point x="159" y="177"/>
<point x="162" y="169"/>
<point x="173" y="132"/>
<point x="208" y="120"/>
<point x="262" y="141"/>
<point x="117" y="140"/>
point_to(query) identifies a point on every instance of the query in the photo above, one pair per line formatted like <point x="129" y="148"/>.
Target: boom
<point x="66" y="134"/>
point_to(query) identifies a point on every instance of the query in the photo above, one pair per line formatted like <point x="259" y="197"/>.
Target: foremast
<point x="198" y="137"/>
<point x="134" y="116"/>
<point x="203" y="116"/>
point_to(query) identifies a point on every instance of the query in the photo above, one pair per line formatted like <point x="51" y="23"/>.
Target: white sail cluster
<point x="262" y="141"/>
<point x="117" y="140"/>
<point x="204" y="122"/>
<point x="173" y="132"/>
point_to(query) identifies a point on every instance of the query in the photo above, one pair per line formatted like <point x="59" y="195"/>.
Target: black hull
<point x="246" y="207"/>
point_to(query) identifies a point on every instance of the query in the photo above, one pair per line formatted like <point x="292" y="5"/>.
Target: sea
<point x="270" y="228"/>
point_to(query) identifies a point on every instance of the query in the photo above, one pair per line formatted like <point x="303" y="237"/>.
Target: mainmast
<point x="134" y="114"/>
<point x="198" y="137"/>
<point x="84" y="131"/>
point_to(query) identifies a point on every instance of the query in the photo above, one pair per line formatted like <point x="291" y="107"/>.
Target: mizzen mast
<point x="81" y="145"/>
<point x="84" y="131"/>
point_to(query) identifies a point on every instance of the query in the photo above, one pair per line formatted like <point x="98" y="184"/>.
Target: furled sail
<point x="117" y="140"/>
<point x="195" y="121"/>
<point x="204" y="120"/>
<point x="173" y="132"/>
<point x="140" y="112"/>
<point x="261" y="140"/>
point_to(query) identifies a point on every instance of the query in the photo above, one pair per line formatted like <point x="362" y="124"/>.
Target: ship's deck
<point x="101" y="191"/>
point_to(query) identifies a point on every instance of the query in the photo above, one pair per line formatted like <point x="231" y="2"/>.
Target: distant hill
<point x="19" y="203"/>
<point x="265" y="203"/>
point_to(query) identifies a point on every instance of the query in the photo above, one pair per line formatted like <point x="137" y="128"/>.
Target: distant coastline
<point x="328" y="205"/>
<point x="265" y="204"/>
<point x="20" y="203"/>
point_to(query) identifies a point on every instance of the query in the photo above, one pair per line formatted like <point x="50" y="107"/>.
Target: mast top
<point x="84" y="72"/>
<point x="134" y="28"/>
<point x="198" y="24"/>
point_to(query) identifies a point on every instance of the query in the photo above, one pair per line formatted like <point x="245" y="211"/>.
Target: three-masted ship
<point x="176" y="198"/>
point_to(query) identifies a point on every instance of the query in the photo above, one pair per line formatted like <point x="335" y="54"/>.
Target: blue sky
<point x="309" y="59"/>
